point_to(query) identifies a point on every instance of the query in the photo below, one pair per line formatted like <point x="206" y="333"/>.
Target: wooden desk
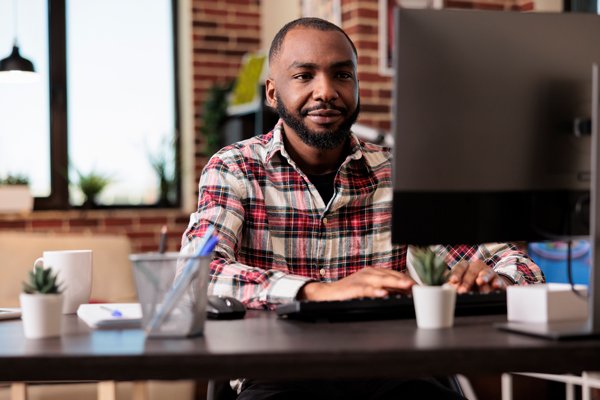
<point x="263" y="346"/>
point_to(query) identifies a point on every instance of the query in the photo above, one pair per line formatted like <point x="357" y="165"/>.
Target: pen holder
<point x="171" y="289"/>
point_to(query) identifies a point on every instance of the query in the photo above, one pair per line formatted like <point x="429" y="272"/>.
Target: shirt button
<point x="325" y="221"/>
<point x="322" y="271"/>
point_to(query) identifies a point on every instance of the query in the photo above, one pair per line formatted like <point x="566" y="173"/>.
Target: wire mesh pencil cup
<point x="171" y="290"/>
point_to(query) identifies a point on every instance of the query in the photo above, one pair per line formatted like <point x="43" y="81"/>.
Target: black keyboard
<point x="392" y="307"/>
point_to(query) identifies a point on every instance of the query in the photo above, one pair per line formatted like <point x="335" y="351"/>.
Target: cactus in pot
<point x="41" y="304"/>
<point x="434" y="301"/>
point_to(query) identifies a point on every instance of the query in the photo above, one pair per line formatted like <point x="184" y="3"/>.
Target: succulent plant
<point x="42" y="281"/>
<point x="431" y="267"/>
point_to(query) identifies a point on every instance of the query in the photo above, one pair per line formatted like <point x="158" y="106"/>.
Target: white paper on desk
<point x="99" y="315"/>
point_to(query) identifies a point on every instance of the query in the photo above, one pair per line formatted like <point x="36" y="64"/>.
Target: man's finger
<point x="468" y="279"/>
<point x="457" y="272"/>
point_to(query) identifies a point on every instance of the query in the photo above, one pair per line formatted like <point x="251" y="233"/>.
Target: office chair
<point x="219" y="389"/>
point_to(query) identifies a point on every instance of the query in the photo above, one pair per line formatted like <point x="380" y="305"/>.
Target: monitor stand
<point x="590" y="327"/>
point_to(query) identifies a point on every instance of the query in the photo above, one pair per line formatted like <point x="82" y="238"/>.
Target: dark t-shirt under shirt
<point x="324" y="184"/>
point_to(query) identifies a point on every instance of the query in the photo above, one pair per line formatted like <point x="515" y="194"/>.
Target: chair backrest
<point x="112" y="276"/>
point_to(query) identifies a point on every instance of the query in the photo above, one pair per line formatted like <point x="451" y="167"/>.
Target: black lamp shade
<point x="15" y="62"/>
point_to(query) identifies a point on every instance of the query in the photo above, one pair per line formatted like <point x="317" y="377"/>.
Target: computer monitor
<point x="492" y="118"/>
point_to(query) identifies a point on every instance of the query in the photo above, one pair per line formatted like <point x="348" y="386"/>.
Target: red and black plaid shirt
<point x="276" y="233"/>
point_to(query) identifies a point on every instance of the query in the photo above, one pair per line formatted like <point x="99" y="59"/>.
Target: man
<point x="304" y="212"/>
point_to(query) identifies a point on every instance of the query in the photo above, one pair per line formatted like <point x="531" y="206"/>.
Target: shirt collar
<point x="276" y="145"/>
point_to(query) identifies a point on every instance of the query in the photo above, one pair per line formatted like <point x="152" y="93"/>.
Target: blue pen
<point x="209" y="246"/>
<point x="113" y="311"/>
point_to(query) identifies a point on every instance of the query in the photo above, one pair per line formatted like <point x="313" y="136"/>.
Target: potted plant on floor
<point x="41" y="304"/>
<point x="434" y="301"/>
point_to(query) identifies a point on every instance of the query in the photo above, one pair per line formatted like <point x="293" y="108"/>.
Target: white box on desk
<point x="546" y="303"/>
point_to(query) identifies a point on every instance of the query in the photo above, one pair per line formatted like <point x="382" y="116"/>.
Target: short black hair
<point x="308" y="22"/>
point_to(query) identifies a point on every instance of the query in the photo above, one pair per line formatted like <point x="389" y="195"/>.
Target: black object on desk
<point x="224" y="307"/>
<point x="391" y="307"/>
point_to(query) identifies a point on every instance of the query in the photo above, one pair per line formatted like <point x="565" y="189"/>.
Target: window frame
<point x="59" y="154"/>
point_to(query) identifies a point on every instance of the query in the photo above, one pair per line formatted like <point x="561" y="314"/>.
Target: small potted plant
<point x="41" y="304"/>
<point x="434" y="301"/>
<point x="15" y="195"/>
<point x="163" y="163"/>
<point x="91" y="185"/>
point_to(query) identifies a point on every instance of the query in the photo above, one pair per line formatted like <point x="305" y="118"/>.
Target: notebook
<point x="111" y="315"/>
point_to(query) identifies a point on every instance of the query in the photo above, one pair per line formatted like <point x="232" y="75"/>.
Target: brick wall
<point x="360" y="21"/>
<point x="223" y="31"/>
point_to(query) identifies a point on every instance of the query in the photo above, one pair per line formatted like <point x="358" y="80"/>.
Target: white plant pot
<point x="15" y="198"/>
<point x="41" y="314"/>
<point x="434" y="306"/>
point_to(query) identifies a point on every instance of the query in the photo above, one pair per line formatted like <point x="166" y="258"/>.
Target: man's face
<point x="314" y="87"/>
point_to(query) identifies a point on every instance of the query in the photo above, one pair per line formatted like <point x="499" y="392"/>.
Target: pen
<point x="113" y="311"/>
<point x="209" y="246"/>
<point x="162" y="245"/>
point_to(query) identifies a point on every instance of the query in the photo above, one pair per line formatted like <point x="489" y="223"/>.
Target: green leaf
<point x="429" y="266"/>
<point x="41" y="280"/>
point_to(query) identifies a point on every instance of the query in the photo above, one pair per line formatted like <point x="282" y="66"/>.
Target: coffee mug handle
<point x="38" y="262"/>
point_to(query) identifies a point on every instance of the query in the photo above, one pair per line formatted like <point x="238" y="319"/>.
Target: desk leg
<point x="507" y="386"/>
<point x="18" y="391"/>
<point x="140" y="390"/>
<point x="107" y="390"/>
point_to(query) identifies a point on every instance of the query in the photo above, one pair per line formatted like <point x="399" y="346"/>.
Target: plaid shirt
<point x="276" y="233"/>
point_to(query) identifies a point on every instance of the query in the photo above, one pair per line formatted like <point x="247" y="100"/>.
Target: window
<point x="112" y="107"/>
<point x="25" y="108"/>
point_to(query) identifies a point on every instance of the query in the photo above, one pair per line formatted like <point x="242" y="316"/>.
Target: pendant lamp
<point x="15" y="68"/>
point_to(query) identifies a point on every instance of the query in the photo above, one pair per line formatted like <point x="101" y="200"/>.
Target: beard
<point x="322" y="140"/>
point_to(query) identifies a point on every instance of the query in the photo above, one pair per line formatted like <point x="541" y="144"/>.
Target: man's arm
<point x="490" y="267"/>
<point x="222" y="193"/>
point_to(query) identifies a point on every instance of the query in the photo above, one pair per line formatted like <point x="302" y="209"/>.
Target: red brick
<point x="215" y="12"/>
<point x="204" y="24"/>
<point x="241" y="26"/>
<point x="375" y="108"/>
<point x="367" y="13"/>
<point x="153" y="220"/>
<point x="145" y="248"/>
<point x="366" y="45"/>
<point x="385" y="94"/>
<point x="12" y="224"/>
<point x="47" y="223"/>
<point x="216" y="38"/>
<point x="118" y="221"/>
<point x="245" y="15"/>
<point x="141" y="235"/>
<point x="248" y="40"/>
<point x="83" y="222"/>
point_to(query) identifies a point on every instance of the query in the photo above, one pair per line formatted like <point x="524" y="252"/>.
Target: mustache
<point x="323" y="106"/>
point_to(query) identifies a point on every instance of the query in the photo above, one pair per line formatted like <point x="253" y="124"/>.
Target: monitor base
<point x="565" y="330"/>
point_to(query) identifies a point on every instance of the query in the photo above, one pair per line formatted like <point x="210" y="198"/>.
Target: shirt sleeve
<point x="221" y="203"/>
<point x="505" y="258"/>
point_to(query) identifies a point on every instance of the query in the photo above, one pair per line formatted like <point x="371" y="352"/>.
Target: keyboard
<point x="392" y="307"/>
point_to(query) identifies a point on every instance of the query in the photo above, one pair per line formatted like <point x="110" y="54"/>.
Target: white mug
<point x="74" y="268"/>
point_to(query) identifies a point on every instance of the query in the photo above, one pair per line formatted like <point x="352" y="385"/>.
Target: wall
<point x="273" y="15"/>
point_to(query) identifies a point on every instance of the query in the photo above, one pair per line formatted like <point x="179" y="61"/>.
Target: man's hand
<point x="476" y="276"/>
<point x="367" y="282"/>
